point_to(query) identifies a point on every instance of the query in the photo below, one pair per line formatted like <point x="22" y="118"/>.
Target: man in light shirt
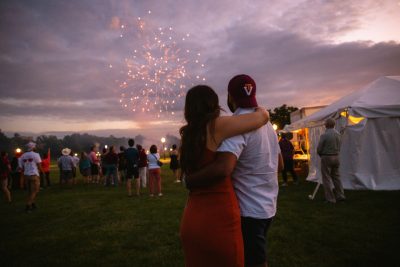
<point x="29" y="163"/>
<point x="66" y="165"/>
<point x="328" y="149"/>
<point x="252" y="159"/>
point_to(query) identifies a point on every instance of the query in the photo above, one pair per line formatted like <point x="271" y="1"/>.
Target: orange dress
<point x="210" y="227"/>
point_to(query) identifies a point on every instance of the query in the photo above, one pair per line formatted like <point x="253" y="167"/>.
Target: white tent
<point x="369" y="121"/>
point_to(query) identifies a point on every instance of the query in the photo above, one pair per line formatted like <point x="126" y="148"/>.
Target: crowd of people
<point x="132" y="165"/>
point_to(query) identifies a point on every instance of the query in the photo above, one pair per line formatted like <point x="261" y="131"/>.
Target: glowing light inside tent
<point x="352" y="119"/>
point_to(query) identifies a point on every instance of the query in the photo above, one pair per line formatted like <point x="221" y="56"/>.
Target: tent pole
<point x="311" y="197"/>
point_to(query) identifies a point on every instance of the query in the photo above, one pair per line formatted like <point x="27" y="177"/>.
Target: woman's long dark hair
<point x="201" y="108"/>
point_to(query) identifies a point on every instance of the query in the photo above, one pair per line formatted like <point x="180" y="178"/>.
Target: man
<point x="30" y="165"/>
<point x="66" y="166"/>
<point x="132" y="169"/>
<point x="253" y="158"/>
<point x="287" y="154"/>
<point x="328" y="149"/>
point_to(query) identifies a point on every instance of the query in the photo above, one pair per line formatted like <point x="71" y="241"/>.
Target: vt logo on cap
<point x="248" y="87"/>
<point x="242" y="89"/>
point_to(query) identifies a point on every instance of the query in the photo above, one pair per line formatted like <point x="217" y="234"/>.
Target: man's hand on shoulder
<point x="264" y="112"/>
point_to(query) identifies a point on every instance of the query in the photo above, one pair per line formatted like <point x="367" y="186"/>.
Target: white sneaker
<point x="160" y="195"/>
<point x="284" y="184"/>
<point x="151" y="195"/>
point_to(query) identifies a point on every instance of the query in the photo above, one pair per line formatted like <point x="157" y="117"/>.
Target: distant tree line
<point x="76" y="142"/>
<point x="82" y="142"/>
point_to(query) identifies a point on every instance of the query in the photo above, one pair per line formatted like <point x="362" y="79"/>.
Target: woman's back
<point x="153" y="158"/>
<point x="210" y="227"/>
<point x="84" y="163"/>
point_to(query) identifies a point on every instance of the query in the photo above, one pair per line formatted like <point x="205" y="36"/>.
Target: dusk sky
<point x="55" y="56"/>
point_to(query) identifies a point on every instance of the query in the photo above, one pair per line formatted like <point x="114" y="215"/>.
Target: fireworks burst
<point x="159" y="69"/>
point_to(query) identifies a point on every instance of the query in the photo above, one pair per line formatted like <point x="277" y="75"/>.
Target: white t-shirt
<point x="255" y="177"/>
<point x="152" y="158"/>
<point x="28" y="162"/>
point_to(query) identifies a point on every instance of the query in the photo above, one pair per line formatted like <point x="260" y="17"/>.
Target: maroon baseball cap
<point x="242" y="89"/>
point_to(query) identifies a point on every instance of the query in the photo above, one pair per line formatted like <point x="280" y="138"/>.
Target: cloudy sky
<point x="55" y="55"/>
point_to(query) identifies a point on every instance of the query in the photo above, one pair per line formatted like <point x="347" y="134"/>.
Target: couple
<point x="225" y="220"/>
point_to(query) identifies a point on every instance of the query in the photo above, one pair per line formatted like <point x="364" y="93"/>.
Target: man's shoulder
<point x="240" y="111"/>
<point x="323" y="134"/>
<point x="27" y="154"/>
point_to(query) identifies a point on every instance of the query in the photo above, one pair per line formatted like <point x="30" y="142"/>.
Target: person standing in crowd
<point x="132" y="168"/>
<point x="30" y="165"/>
<point x="143" y="163"/>
<point x="16" y="173"/>
<point x="211" y="222"/>
<point x="94" y="164"/>
<point x="5" y="170"/>
<point x="85" y="168"/>
<point x="111" y="166"/>
<point x="75" y="160"/>
<point x="174" y="164"/>
<point x="328" y="149"/>
<point x="66" y="166"/>
<point x="121" y="165"/>
<point x="288" y="163"/>
<point x="103" y="169"/>
<point x="45" y="175"/>
<point x="154" y="172"/>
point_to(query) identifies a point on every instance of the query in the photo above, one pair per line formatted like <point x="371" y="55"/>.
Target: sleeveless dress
<point x="174" y="164"/>
<point x="210" y="228"/>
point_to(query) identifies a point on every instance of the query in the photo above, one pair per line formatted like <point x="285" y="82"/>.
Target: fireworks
<point x="159" y="69"/>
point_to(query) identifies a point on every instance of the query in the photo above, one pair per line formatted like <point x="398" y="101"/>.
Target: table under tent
<point x="369" y="122"/>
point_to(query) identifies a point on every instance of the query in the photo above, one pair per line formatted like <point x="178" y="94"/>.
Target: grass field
<point x="100" y="226"/>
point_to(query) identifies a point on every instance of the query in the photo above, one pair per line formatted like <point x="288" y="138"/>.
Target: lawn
<point x="100" y="226"/>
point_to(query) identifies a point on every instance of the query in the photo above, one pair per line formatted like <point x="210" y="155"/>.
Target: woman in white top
<point x="154" y="172"/>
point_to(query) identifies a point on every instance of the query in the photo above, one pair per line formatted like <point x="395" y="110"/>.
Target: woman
<point x="154" y="172"/>
<point x="210" y="227"/>
<point x="5" y="169"/>
<point x="174" y="164"/>
<point x="46" y="169"/>
<point x="85" y="168"/>
<point x="95" y="164"/>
